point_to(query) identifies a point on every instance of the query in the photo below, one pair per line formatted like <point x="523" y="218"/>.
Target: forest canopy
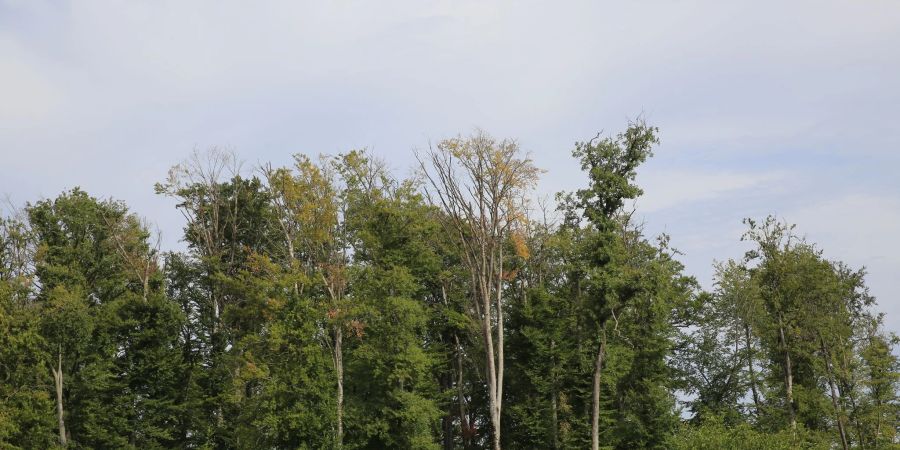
<point x="331" y="304"/>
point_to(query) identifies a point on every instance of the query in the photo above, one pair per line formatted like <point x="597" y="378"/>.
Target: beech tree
<point x="333" y="304"/>
<point x="793" y="329"/>
<point x="611" y="165"/>
<point x="480" y="183"/>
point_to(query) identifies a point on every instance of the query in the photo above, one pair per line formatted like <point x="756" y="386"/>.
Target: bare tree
<point x="479" y="182"/>
<point x="197" y="183"/>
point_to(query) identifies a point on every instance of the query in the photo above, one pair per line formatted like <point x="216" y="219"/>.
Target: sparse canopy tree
<point x="480" y="183"/>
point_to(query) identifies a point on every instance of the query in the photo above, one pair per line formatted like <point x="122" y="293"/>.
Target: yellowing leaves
<point x="520" y="245"/>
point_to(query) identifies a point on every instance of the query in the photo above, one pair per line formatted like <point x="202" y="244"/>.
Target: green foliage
<point x="333" y="273"/>
<point x="611" y="164"/>
<point x="26" y="407"/>
<point x="713" y="434"/>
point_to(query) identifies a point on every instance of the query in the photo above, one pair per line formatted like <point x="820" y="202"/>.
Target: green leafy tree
<point x="107" y="329"/>
<point x="330" y="304"/>
<point x="618" y="288"/>
<point x="27" y="418"/>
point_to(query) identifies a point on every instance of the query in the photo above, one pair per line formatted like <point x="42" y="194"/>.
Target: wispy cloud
<point x="760" y="112"/>
<point x="669" y="188"/>
<point x="860" y="230"/>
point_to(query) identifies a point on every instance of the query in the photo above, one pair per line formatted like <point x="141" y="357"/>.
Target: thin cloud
<point x="669" y="188"/>
<point x="27" y="94"/>
<point x="858" y="229"/>
<point x="747" y="101"/>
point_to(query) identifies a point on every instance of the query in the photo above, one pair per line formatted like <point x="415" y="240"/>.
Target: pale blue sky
<point x="789" y="108"/>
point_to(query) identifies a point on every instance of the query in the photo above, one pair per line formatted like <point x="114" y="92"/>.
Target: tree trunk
<point x="447" y="420"/>
<point x="750" y="368"/>
<point x="145" y="282"/>
<point x="788" y="376"/>
<point x="464" y="428"/>
<point x="554" y="414"/>
<point x="290" y="244"/>
<point x="838" y="411"/>
<point x="339" y="370"/>
<point x="595" y="411"/>
<point x="554" y="419"/>
<point x="58" y="383"/>
<point x="845" y="387"/>
<point x="499" y="400"/>
<point x="855" y="409"/>
<point x="492" y="373"/>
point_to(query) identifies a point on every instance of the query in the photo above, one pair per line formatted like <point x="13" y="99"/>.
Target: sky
<point x="784" y="108"/>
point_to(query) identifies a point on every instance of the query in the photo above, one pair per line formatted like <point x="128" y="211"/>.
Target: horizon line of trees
<point x="330" y="304"/>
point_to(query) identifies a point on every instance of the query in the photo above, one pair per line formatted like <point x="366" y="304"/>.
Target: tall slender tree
<point x="611" y="165"/>
<point x="480" y="182"/>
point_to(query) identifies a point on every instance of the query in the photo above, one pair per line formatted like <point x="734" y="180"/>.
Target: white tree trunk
<point x="339" y="369"/>
<point x="788" y="378"/>
<point x="595" y="411"/>
<point x="58" y="383"/>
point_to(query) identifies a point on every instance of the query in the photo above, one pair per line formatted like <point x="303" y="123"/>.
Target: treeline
<point x="332" y="305"/>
